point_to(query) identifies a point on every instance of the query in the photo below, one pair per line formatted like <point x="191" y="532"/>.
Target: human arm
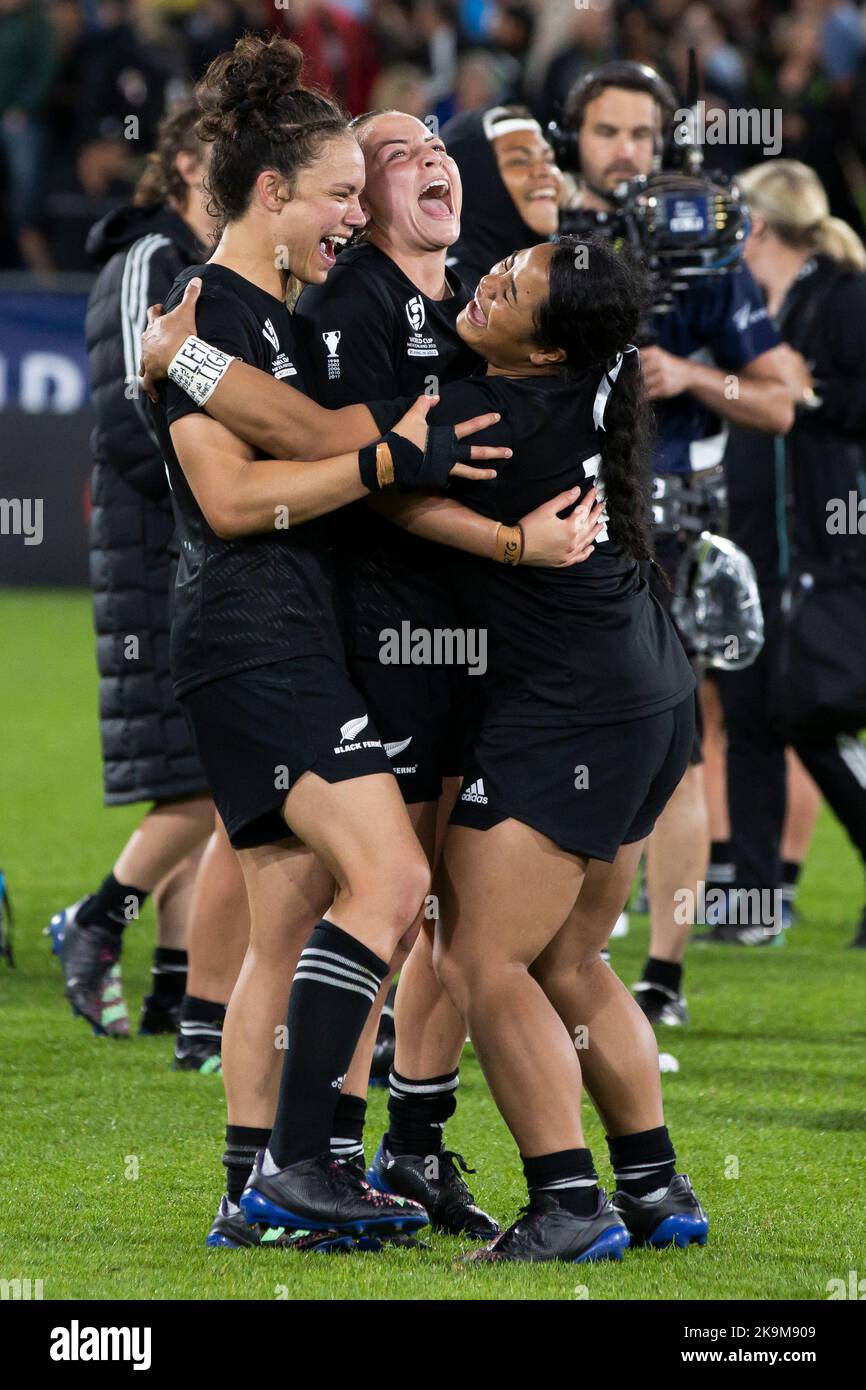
<point x="240" y="495"/>
<point x="549" y="540"/>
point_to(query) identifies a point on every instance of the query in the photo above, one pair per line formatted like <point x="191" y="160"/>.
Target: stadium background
<point x="770" y="1069"/>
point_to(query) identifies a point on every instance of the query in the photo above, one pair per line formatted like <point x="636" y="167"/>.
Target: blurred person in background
<point x="801" y="256"/>
<point x="620" y="115"/>
<point x="27" y="67"/>
<point x="589" y="41"/>
<point x="216" y="25"/>
<point x="512" y="186"/>
<point x="339" y="51"/>
<point x="148" y="754"/>
<point x="511" y="35"/>
<point x="815" y="109"/>
<point x="119" y="80"/>
<point x="402" y="87"/>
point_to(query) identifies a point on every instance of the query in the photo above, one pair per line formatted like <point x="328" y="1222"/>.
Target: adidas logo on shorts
<point x="475" y="792"/>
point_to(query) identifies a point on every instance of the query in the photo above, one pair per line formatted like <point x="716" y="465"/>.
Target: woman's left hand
<point x="555" y="542"/>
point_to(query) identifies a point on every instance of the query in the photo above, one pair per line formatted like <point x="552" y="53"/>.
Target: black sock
<point x="347" y="1138"/>
<point x="168" y="974"/>
<point x="242" y="1145"/>
<point x="790" y="875"/>
<point x="721" y="868"/>
<point x="417" y="1111"/>
<point x="643" y="1162"/>
<point x="667" y="973"/>
<point x="201" y="1020"/>
<point x="113" y="905"/>
<point x="335" y="984"/>
<point x="569" y="1176"/>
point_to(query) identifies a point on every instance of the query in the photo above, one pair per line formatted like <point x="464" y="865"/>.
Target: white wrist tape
<point x="198" y="369"/>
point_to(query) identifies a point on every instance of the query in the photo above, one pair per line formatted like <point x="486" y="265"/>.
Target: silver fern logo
<point x="351" y="730"/>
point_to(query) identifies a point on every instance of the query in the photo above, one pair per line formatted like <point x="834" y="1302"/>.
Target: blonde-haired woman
<point x="812" y="269"/>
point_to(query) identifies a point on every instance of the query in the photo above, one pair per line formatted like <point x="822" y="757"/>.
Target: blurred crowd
<point x="84" y="82"/>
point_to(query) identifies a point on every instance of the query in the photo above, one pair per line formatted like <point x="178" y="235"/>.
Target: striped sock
<point x="168" y="974"/>
<point x="644" y="1163"/>
<point x="242" y="1145"/>
<point x="418" y="1110"/>
<point x="569" y="1176"/>
<point x="335" y="984"/>
<point x="347" y="1139"/>
<point x="201" y="1020"/>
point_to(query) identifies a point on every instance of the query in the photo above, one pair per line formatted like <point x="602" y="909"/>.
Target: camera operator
<point x="713" y="353"/>
<point x="812" y="268"/>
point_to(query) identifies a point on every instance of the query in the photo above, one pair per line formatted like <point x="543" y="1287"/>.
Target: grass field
<point x="771" y="1083"/>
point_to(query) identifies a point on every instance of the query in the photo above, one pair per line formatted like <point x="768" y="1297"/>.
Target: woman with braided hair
<point x="583" y="735"/>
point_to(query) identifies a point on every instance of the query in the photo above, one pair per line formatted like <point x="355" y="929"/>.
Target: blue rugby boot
<point x="674" y="1217"/>
<point x="325" y="1193"/>
<point x="545" y="1231"/>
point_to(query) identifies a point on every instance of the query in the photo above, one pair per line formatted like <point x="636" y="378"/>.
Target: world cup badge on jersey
<point x="332" y="343"/>
<point x="281" y="366"/>
<point x="419" y="344"/>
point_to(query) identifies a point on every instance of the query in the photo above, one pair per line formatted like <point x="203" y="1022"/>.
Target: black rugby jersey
<point x="261" y="598"/>
<point x="583" y="645"/>
<point x="370" y="333"/>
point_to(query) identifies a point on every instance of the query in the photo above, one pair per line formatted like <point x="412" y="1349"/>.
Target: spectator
<point x="338" y="50"/>
<point x="401" y="87"/>
<point x="588" y="44"/>
<point x="27" y="65"/>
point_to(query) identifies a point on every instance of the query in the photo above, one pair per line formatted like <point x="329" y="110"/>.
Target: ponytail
<point x="834" y="238"/>
<point x="625" y="453"/>
<point x="596" y="301"/>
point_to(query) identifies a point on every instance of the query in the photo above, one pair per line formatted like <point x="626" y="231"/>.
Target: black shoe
<point x="661" y="1005"/>
<point x="445" y="1197"/>
<point x="859" y="942"/>
<point x="728" y="934"/>
<point x="198" y="1054"/>
<point x="230" y="1231"/>
<point x="386" y="1043"/>
<point x="88" y="955"/>
<point x="674" y="1218"/>
<point x="325" y="1193"/>
<point x="158" y="1016"/>
<point x="5" y="923"/>
<point x="544" y="1231"/>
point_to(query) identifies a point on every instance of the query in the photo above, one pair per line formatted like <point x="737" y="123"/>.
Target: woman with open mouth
<point x="584" y="733"/>
<point x="291" y="753"/>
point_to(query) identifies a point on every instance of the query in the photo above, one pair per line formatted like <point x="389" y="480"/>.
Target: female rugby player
<point x="288" y="748"/>
<point x="583" y="736"/>
<point x="357" y="318"/>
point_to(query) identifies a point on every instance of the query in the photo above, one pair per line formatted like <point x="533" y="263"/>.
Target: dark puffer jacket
<point x="146" y="747"/>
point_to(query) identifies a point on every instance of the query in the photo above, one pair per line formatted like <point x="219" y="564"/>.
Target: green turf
<point x="771" y="1076"/>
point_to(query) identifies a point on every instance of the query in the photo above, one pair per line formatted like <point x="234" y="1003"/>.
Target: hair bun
<point x="249" y="82"/>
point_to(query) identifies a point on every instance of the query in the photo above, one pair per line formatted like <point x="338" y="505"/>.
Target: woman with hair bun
<point x="292" y="757"/>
